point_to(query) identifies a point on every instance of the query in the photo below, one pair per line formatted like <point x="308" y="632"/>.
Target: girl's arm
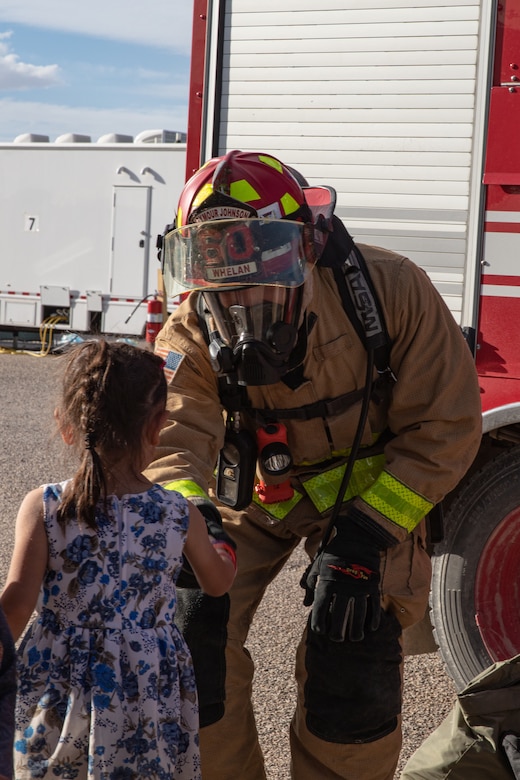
<point x="214" y="564"/>
<point x="28" y="564"/>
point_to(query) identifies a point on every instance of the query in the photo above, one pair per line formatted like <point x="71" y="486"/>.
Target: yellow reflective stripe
<point x="280" y="509"/>
<point x="396" y="501"/>
<point x="272" y="161"/>
<point x="289" y="204"/>
<point x="204" y="192"/>
<point x="243" y="191"/>
<point x="323" y="488"/>
<point x="186" y="488"/>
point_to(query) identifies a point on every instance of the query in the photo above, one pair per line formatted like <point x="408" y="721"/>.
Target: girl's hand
<point x="225" y="550"/>
<point x="212" y="560"/>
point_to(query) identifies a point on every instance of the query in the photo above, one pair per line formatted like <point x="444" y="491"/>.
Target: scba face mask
<point x="255" y="332"/>
<point x="250" y="272"/>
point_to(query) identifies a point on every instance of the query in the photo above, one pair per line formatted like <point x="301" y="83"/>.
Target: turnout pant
<point x="230" y="747"/>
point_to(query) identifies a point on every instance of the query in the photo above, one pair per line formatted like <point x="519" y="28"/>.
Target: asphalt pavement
<point x="31" y="454"/>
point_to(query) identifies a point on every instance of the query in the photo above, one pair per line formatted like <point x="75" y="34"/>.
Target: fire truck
<point x="410" y="109"/>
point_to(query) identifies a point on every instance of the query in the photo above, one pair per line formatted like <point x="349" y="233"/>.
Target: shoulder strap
<point x="358" y="294"/>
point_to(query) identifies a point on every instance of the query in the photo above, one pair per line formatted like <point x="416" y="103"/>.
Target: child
<point x="106" y="687"/>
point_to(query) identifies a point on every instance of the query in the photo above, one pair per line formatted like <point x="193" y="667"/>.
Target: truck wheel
<point x="476" y="582"/>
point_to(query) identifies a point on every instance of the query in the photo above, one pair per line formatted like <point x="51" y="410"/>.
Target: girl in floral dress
<point x="106" y="688"/>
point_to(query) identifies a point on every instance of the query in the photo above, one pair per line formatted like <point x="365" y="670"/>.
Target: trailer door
<point x="130" y="241"/>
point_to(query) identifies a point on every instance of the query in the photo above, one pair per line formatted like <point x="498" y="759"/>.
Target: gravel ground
<point x="30" y="455"/>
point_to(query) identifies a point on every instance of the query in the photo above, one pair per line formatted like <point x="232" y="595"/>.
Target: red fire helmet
<point x="244" y="219"/>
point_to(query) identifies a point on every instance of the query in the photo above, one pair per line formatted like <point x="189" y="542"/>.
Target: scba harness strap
<point x="358" y="294"/>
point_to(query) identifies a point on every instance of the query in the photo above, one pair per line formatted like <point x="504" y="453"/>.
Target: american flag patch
<point x="172" y="361"/>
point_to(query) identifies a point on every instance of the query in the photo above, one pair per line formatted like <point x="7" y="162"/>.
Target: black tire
<point x="476" y="572"/>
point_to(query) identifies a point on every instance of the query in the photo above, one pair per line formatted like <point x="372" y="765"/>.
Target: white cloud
<point x="22" y="75"/>
<point x="164" y="23"/>
<point x="44" y="118"/>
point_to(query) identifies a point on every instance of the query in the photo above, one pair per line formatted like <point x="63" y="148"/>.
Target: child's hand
<point x="210" y="552"/>
<point x="225" y="550"/>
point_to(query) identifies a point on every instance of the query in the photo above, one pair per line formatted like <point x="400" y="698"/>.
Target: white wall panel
<point x="382" y="99"/>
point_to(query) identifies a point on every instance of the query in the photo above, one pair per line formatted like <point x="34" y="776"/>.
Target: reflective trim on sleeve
<point x="323" y="488"/>
<point x="186" y="488"/>
<point x="397" y="502"/>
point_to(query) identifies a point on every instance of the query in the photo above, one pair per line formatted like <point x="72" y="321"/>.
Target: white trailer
<point x="78" y="224"/>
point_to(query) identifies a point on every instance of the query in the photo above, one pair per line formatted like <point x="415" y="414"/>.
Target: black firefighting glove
<point x="203" y="619"/>
<point x="343" y="581"/>
<point x="213" y="521"/>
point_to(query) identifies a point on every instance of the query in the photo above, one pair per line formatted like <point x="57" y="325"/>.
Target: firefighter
<point x="319" y="390"/>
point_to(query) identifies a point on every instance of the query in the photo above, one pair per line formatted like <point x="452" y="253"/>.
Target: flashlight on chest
<point x="274" y="464"/>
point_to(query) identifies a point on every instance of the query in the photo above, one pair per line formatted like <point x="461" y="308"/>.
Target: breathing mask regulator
<point x="255" y="332"/>
<point x="247" y="235"/>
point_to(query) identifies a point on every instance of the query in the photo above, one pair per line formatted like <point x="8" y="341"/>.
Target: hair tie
<point x="89" y="441"/>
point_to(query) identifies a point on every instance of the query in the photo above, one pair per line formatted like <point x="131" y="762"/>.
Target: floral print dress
<point x="106" y="687"/>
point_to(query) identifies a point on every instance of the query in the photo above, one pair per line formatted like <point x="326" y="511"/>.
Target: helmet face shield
<point x="238" y="253"/>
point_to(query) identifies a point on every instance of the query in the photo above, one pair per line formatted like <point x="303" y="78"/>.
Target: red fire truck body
<point x="410" y="109"/>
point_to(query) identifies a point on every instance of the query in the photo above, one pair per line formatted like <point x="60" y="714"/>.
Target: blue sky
<point x="104" y="66"/>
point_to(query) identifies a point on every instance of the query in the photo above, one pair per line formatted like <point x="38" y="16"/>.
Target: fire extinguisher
<point x="154" y="319"/>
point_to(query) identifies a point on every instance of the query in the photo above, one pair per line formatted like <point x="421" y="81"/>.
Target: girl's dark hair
<point x="109" y="391"/>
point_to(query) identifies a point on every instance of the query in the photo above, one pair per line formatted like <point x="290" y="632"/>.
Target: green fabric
<point x="466" y="746"/>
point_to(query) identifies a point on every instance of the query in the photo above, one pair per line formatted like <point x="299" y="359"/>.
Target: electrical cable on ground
<point x="46" y="332"/>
